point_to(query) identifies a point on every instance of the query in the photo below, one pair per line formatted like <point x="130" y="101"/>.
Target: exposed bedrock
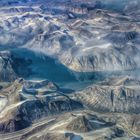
<point x="123" y="95"/>
<point x="28" y="101"/>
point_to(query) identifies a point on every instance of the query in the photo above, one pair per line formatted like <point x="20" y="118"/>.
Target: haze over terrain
<point x="69" y="70"/>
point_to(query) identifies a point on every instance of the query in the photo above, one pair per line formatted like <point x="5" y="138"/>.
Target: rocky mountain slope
<point x="121" y="96"/>
<point x="30" y="106"/>
<point x="96" y="40"/>
<point x="88" y="50"/>
<point x="25" y="102"/>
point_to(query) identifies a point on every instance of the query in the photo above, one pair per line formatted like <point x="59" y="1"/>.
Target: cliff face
<point x="122" y="97"/>
<point x="6" y="68"/>
<point x="25" y="102"/>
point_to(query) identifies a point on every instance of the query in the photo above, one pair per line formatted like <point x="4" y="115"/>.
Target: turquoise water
<point x="41" y="67"/>
<point x="44" y="67"/>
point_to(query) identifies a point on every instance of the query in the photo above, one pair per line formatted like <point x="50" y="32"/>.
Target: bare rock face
<point x="121" y="81"/>
<point x="25" y="102"/>
<point x="32" y="105"/>
<point x="69" y="41"/>
<point x="102" y="58"/>
<point x="80" y="124"/>
<point x="39" y="87"/>
<point x="50" y="136"/>
<point x="12" y="67"/>
<point x="85" y="125"/>
<point x="120" y="96"/>
<point x="6" y="68"/>
<point x="105" y="41"/>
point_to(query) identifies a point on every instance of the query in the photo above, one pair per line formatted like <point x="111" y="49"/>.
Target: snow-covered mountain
<point x="94" y="40"/>
<point x="89" y="50"/>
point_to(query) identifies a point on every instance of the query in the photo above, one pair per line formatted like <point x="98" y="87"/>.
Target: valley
<point x="69" y="70"/>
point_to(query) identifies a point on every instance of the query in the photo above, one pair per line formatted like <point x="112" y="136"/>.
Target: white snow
<point x="3" y="102"/>
<point x="103" y="46"/>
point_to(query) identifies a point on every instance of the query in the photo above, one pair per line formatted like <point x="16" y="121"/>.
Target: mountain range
<point x="69" y="70"/>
